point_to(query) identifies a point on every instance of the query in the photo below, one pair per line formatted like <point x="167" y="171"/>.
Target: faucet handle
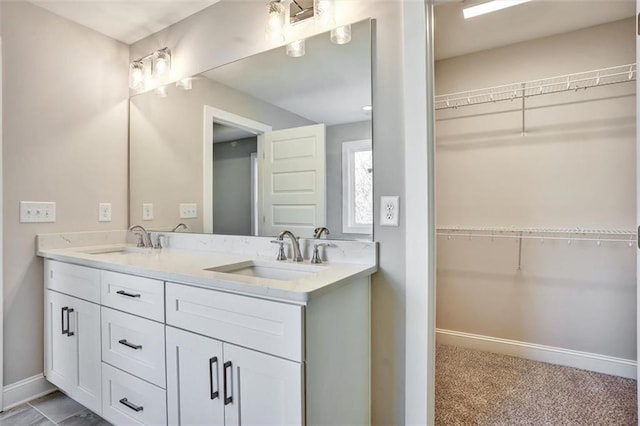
<point x="140" y="239"/>
<point x="281" y="254"/>
<point x="316" y="253"/>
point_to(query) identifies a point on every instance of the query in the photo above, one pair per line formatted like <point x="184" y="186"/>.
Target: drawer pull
<point x="131" y="345"/>
<point x="228" y="397"/>
<point x="136" y="408"/>
<point x="212" y="361"/>
<point x="66" y="310"/>
<point x="124" y="293"/>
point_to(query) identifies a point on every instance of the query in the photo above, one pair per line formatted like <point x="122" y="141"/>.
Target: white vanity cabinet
<point x="143" y="351"/>
<point x="216" y="383"/>
<point x="72" y="332"/>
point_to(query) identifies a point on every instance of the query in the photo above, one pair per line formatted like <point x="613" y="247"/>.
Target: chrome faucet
<point x="317" y="233"/>
<point x="179" y="226"/>
<point x="297" y="256"/>
<point x="145" y="240"/>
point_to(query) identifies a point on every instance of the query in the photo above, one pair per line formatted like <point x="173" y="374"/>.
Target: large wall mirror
<point x="263" y="144"/>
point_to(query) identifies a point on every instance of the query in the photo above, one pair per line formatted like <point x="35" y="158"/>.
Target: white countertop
<point x="190" y="267"/>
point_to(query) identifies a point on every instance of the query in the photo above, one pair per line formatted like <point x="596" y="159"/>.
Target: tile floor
<point x="52" y="409"/>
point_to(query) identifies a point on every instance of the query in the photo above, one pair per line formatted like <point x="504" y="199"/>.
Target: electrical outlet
<point x="37" y="211"/>
<point x="389" y="210"/>
<point x="104" y="212"/>
<point x="147" y="211"/>
<point x="188" y="210"/>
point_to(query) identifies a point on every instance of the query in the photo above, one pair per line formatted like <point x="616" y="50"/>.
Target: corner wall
<point x="65" y="109"/>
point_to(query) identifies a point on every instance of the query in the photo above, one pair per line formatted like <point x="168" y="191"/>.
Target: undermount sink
<point x="269" y="270"/>
<point x="118" y="250"/>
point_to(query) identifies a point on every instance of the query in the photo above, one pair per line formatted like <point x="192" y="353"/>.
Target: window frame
<point x="349" y="149"/>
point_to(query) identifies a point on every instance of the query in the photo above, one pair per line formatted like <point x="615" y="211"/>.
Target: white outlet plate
<point x="389" y="210"/>
<point x="37" y="211"/>
<point x="147" y="211"/>
<point x="188" y="210"/>
<point x="104" y="212"/>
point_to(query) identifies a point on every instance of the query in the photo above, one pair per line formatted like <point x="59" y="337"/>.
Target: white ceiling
<point x="330" y="84"/>
<point x="455" y="36"/>
<point x="125" y="20"/>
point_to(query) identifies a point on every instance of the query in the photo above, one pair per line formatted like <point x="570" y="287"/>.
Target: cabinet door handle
<point x="64" y="310"/>
<point x="136" y="408"/>
<point x="228" y="381"/>
<point x="124" y="293"/>
<point x="69" y="332"/>
<point x="212" y="361"/>
<point x="131" y="345"/>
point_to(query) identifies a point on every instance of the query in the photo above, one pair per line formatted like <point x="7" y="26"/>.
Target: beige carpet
<point x="480" y="388"/>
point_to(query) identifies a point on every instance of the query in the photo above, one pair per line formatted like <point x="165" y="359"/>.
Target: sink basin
<point x="269" y="270"/>
<point x="117" y="250"/>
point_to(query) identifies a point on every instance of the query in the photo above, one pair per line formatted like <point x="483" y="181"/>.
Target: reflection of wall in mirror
<point x="166" y="146"/>
<point x="232" y="186"/>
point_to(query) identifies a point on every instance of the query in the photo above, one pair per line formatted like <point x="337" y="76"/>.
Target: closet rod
<point x="534" y="230"/>
<point x="563" y="83"/>
<point x="631" y="241"/>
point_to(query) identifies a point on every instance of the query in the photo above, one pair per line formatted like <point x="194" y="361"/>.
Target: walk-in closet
<point x="535" y="214"/>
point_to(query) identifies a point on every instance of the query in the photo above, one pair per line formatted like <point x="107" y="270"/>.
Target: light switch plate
<point x="37" y="211"/>
<point x="389" y="210"/>
<point x="147" y="211"/>
<point x="188" y="210"/>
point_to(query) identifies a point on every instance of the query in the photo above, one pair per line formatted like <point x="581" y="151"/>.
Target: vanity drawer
<point x="77" y="281"/>
<point x="127" y="400"/>
<point x="267" y="326"/>
<point x="134" y="344"/>
<point x="136" y="295"/>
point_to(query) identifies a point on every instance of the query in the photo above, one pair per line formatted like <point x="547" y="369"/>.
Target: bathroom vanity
<point x="220" y="335"/>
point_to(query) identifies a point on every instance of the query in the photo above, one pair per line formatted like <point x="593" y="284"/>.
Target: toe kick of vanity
<point x="142" y="350"/>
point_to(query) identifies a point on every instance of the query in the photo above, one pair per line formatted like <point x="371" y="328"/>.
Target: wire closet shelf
<point x="564" y="83"/>
<point x="520" y="233"/>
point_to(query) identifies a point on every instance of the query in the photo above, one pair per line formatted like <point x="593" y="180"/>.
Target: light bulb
<point x="323" y="11"/>
<point x="161" y="62"/>
<point x="275" y="21"/>
<point x="341" y="35"/>
<point x="296" y="49"/>
<point x="136" y="75"/>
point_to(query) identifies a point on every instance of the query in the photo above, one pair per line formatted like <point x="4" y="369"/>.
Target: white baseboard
<point x="583" y="360"/>
<point x="25" y="390"/>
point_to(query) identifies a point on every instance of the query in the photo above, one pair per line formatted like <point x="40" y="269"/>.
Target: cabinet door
<point x="260" y="389"/>
<point x="72" y="342"/>
<point x="61" y="357"/>
<point x="194" y="379"/>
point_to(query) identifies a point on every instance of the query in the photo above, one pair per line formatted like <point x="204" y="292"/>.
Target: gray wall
<point x="216" y="36"/>
<point x="64" y="140"/>
<point x="575" y="168"/>
<point x="336" y="135"/>
<point x="232" y="186"/>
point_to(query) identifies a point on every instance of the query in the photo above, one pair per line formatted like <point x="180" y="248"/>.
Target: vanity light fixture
<point x="296" y="49"/>
<point x="136" y="74"/>
<point x="185" y="84"/>
<point x="275" y="21"/>
<point x="159" y="63"/>
<point x="471" y="9"/>
<point x="161" y="92"/>
<point x="341" y="35"/>
<point x="323" y="10"/>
